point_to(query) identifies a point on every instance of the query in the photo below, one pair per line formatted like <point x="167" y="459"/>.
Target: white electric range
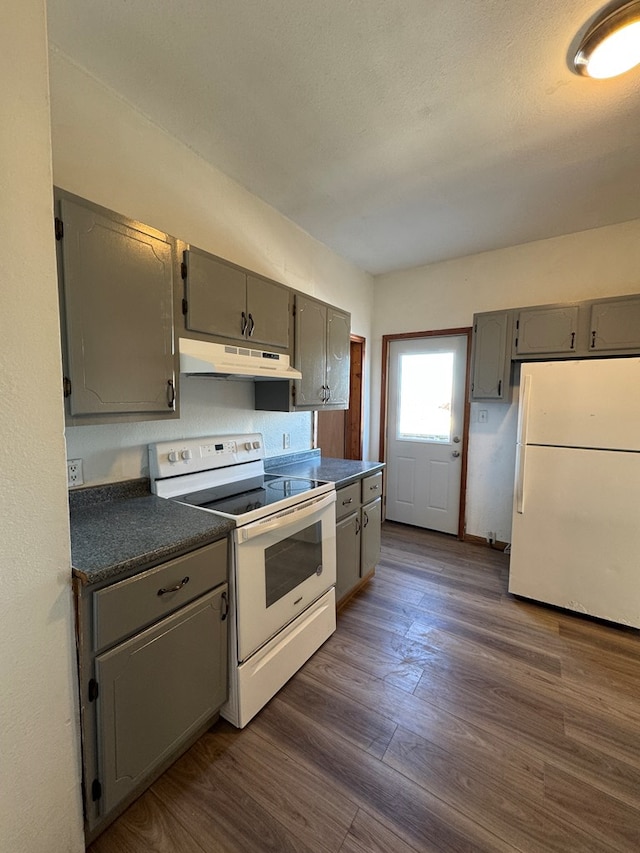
<point x="283" y="567"/>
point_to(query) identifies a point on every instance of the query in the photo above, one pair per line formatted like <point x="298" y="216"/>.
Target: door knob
<point x="455" y="453"/>
<point x="456" y="439"/>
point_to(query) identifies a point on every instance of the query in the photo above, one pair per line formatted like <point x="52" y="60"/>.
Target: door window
<point x="425" y="392"/>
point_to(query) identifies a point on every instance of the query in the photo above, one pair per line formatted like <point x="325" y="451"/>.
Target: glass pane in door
<point x="425" y="384"/>
<point x="290" y="562"/>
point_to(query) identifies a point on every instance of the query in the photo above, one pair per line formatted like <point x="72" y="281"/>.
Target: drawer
<point x="347" y="499"/>
<point x="371" y="487"/>
<point x="128" y="606"/>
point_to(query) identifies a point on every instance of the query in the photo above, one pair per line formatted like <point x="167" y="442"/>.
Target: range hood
<point x="222" y="361"/>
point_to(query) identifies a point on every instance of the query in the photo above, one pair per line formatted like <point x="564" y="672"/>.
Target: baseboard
<point x="480" y="540"/>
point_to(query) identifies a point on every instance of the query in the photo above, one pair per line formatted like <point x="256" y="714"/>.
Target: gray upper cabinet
<point x="546" y="331"/>
<point x="491" y="355"/>
<point x="338" y="357"/>
<point x="311" y="352"/>
<point x="225" y="301"/>
<point x="615" y="325"/>
<point x="322" y="353"/>
<point x="117" y="293"/>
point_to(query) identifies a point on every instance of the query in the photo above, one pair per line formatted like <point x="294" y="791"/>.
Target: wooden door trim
<point x="357" y="339"/>
<point x="384" y="391"/>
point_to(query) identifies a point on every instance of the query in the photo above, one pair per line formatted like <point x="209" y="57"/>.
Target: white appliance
<point x="576" y="517"/>
<point x="283" y="573"/>
<point x="226" y="361"/>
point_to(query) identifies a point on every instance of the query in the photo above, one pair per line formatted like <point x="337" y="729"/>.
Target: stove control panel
<point x="191" y="455"/>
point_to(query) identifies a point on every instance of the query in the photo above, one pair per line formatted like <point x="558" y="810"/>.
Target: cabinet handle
<point x="175" y="588"/>
<point x="243" y="323"/>
<point x="224" y="607"/>
<point x="593" y="339"/>
<point x="347" y="502"/>
<point x="358" y="526"/>
<point x="500" y="388"/>
<point x="328" y="394"/>
<point x="375" y="487"/>
<point x="171" y="394"/>
<point x="573" y="339"/>
<point x="252" y="326"/>
<point x="366" y="519"/>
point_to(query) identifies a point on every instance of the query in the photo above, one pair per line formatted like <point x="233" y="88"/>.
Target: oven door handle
<point x="257" y="528"/>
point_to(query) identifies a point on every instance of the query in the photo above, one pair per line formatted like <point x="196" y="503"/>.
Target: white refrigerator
<point x="576" y="515"/>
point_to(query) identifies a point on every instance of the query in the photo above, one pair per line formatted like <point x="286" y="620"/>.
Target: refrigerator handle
<point x="521" y="449"/>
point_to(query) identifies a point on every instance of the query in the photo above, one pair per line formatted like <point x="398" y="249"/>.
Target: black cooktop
<point x="258" y="492"/>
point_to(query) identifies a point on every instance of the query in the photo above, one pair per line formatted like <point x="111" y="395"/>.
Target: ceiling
<point x="397" y="132"/>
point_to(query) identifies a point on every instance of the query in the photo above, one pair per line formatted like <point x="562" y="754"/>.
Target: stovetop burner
<point x="271" y="491"/>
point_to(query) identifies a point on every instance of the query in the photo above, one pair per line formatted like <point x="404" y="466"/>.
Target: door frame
<point x="384" y="395"/>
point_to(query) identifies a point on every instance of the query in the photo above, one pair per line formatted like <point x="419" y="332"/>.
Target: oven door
<point x="283" y="563"/>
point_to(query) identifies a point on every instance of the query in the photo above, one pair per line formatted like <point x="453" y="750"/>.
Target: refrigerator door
<point x="585" y="403"/>
<point x="576" y="540"/>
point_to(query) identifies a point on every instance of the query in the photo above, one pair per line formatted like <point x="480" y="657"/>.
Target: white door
<point x="424" y="430"/>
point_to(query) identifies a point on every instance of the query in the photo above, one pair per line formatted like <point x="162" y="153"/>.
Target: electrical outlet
<point x="286" y="440"/>
<point x="483" y="416"/>
<point x="74" y="473"/>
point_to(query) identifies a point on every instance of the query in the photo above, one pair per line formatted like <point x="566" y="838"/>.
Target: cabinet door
<point x="547" y="330"/>
<point x="491" y="355"/>
<point x="615" y="325"/>
<point x="157" y="689"/>
<point x="267" y="312"/>
<point x="347" y="554"/>
<point x="311" y="351"/>
<point x="338" y="358"/>
<point x="216" y="294"/>
<point x="118" y="284"/>
<point x="370" y="545"/>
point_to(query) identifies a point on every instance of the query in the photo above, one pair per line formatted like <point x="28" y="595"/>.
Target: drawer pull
<point x="175" y="588"/>
<point x="347" y="502"/>
<point x="375" y="487"/>
<point x="224" y="607"/>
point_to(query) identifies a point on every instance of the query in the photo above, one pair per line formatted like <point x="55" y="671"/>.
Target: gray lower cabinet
<point x="152" y="654"/>
<point x="116" y="290"/>
<point x="491" y="356"/>
<point x="225" y="301"/>
<point x="322" y="352"/>
<point x="358" y="525"/>
<point x="156" y="689"/>
<point x="370" y="543"/>
<point x="347" y="554"/>
<point x="615" y="325"/>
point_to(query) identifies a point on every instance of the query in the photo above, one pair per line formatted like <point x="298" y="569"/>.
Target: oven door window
<point x="290" y="562"/>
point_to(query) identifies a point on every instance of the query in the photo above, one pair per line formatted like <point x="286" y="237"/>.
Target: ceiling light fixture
<point x="612" y="45"/>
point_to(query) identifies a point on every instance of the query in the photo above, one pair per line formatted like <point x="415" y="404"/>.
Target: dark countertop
<point x="122" y="527"/>
<point x="342" y="472"/>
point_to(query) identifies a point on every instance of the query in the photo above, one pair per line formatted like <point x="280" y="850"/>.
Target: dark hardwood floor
<point x="443" y="715"/>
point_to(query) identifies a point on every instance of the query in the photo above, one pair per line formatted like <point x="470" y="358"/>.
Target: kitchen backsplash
<point x="115" y="452"/>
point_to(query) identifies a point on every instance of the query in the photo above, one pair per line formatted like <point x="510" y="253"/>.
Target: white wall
<point x="105" y="151"/>
<point x="40" y="810"/>
<point x="587" y="265"/>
